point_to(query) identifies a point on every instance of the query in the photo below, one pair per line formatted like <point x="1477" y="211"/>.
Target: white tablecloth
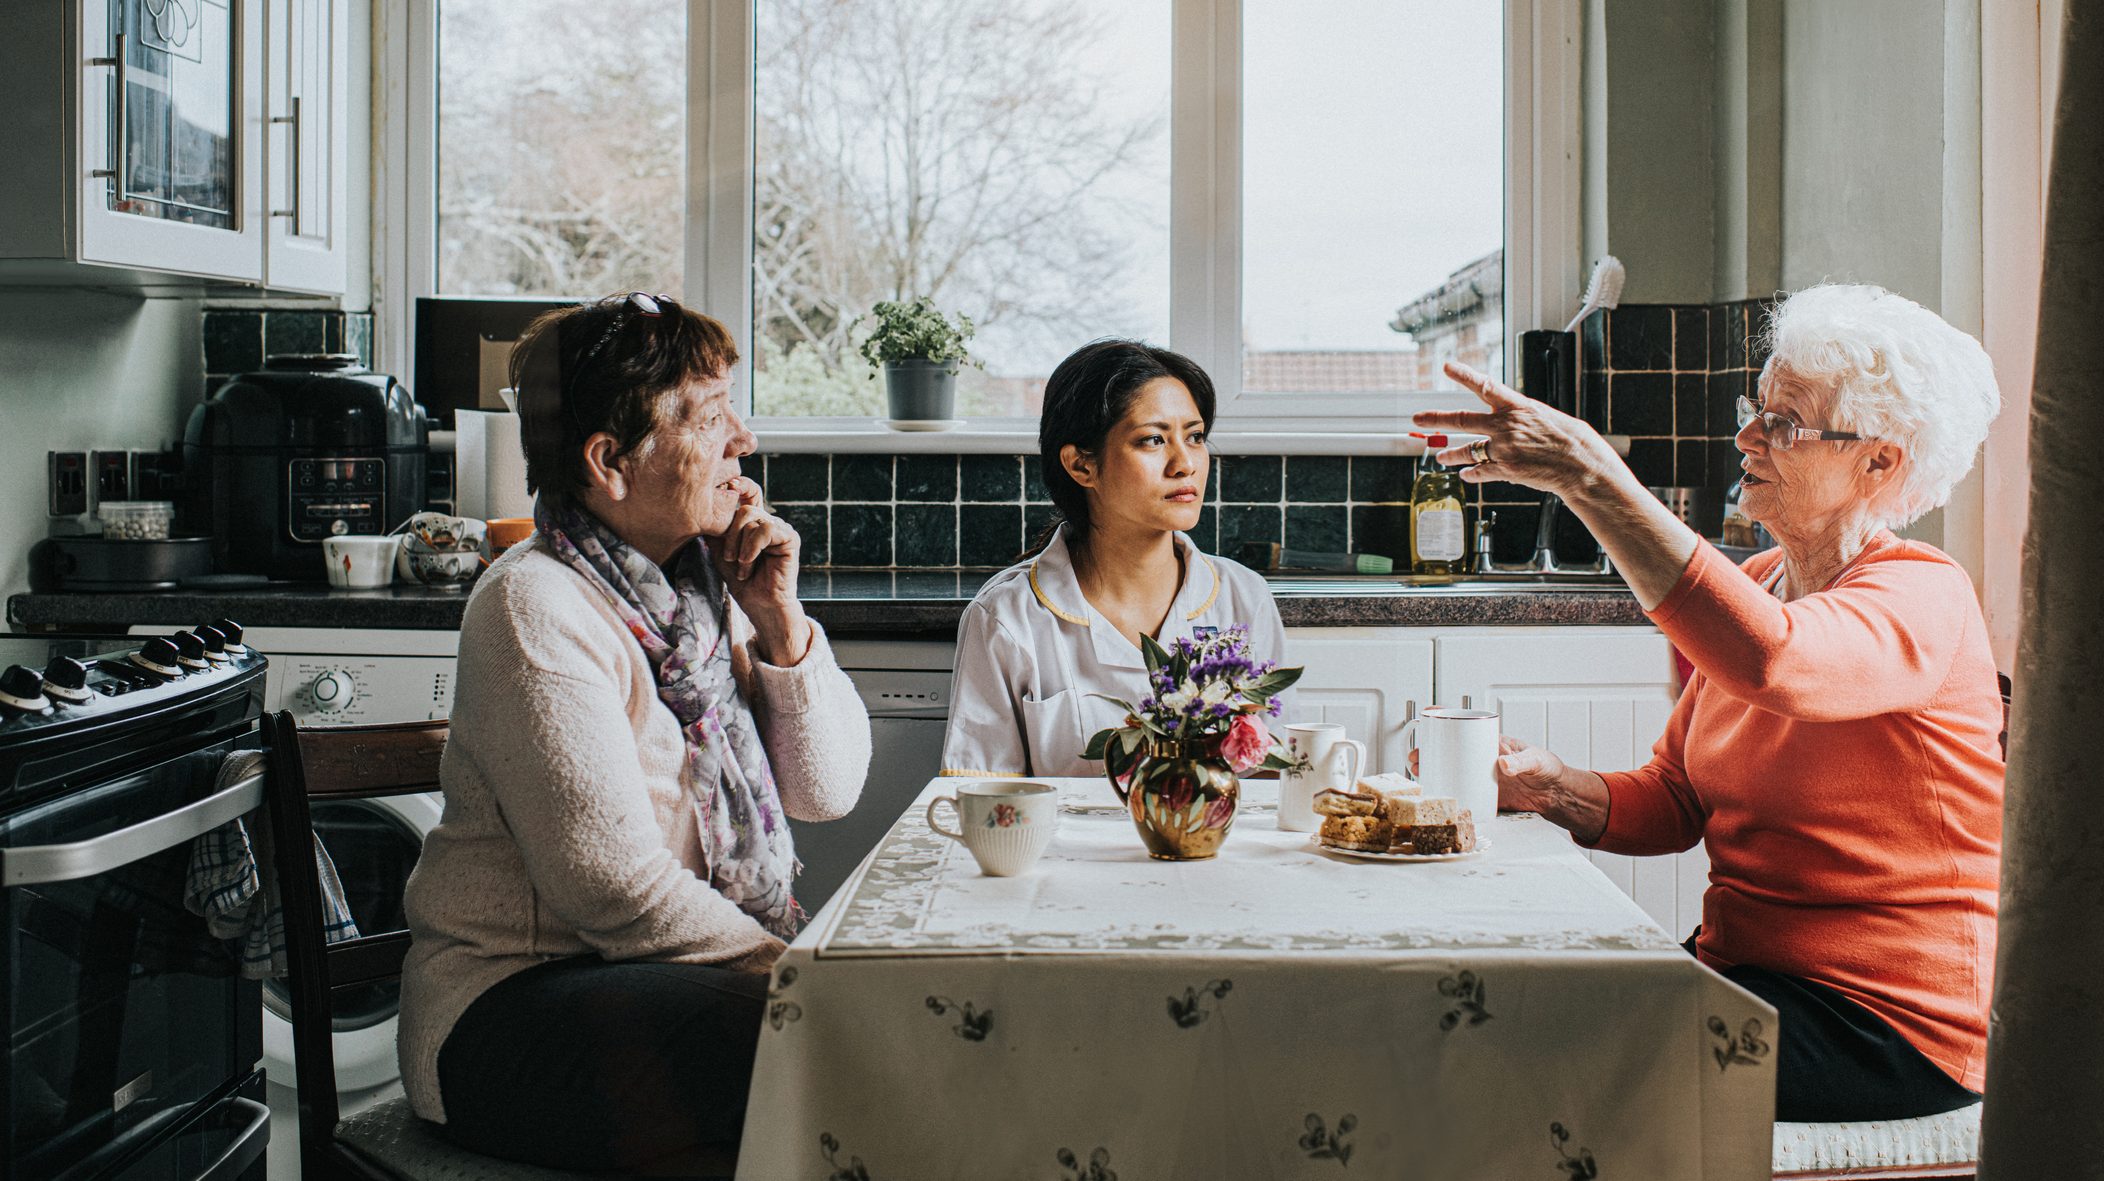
<point x="1274" y="1013"/>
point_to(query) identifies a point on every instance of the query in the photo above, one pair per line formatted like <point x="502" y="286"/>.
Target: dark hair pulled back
<point x="1088" y="394"/>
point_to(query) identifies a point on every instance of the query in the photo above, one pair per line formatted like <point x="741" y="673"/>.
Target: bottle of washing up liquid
<point x="1438" y="536"/>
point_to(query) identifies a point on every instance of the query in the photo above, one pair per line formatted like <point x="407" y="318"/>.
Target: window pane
<point x="1009" y="158"/>
<point x="1373" y="193"/>
<point x="561" y="146"/>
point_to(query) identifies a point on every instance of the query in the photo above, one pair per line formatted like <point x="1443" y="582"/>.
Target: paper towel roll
<point x="489" y="479"/>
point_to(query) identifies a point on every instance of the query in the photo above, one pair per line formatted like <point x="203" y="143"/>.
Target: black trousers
<point x="586" y="1065"/>
<point x="1837" y="1060"/>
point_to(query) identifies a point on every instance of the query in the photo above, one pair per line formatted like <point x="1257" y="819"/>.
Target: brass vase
<point x="1181" y="796"/>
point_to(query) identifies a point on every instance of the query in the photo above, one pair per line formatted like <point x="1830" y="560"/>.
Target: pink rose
<point x="1246" y="744"/>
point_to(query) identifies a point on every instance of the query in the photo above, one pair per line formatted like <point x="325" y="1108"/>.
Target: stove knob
<point x="232" y="632"/>
<point x="66" y="680"/>
<point x="214" y="642"/>
<point x="22" y="690"/>
<point x="189" y="651"/>
<point x="160" y="657"/>
<point x="332" y="690"/>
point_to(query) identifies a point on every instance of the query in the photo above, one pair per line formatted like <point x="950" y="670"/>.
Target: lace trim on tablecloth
<point x="893" y="903"/>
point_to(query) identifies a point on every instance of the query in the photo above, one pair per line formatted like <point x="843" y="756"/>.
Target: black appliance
<point x="132" y="1039"/>
<point x="312" y="446"/>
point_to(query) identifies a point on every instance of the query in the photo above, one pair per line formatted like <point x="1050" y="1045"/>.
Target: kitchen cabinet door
<point x="1599" y="698"/>
<point x="1368" y="679"/>
<point x="167" y="167"/>
<point x="307" y="80"/>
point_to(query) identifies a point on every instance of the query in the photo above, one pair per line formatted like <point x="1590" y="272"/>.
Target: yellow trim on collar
<point x="966" y="773"/>
<point x="1207" y="605"/>
<point x="1039" y="591"/>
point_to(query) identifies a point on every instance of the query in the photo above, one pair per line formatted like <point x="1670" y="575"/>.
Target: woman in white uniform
<point x="1122" y="444"/>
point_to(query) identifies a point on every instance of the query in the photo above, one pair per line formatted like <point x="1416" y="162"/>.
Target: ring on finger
<point x="1479" y="451"/>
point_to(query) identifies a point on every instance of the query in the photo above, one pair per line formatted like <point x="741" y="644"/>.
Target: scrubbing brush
<point x="1603" y="290"/>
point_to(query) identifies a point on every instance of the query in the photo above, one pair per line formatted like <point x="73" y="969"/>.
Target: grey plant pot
<point x="920" y="391"/>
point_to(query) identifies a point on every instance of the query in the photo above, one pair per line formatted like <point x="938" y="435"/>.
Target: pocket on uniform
<point x="1058" y="729"/>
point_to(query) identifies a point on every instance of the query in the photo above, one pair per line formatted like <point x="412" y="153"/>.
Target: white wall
<point x="1862" y="145"/>
<point x="81" y="370"/>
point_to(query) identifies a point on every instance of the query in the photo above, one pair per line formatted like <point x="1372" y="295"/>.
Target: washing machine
<point x="331" y="677"/>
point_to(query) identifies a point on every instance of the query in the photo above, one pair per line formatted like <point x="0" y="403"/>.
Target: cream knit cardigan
<point x="566" y="831"/>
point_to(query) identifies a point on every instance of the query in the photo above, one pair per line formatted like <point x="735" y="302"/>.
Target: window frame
<point x="1541" y="214"/>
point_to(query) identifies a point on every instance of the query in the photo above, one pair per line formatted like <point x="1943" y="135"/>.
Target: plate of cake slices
<point x="1369" y="855"/>
<point x="1395" y="822"/>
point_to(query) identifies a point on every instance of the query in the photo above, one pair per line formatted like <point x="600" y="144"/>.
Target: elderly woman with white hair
<point x="1836" y="746"/>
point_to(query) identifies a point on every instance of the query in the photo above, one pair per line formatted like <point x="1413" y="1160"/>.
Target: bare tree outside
<point x="955" y="149"/>
<point x="562" y="147"/>
<point x="963" y="150"/>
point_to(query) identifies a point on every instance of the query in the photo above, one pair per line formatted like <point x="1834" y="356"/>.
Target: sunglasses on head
<point x="635" y="303"/>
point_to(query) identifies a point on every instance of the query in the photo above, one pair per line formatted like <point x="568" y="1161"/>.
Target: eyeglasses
<point x="1781" y="433"/>
<point x="634" y="303"/>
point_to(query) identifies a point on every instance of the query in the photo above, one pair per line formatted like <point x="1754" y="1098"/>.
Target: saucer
<point x="922" y="424"/>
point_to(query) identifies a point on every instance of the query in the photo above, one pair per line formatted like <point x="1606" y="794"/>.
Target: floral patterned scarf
<point x="680" y="617"/>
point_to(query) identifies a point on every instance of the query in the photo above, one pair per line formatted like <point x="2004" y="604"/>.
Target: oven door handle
<point x="244" y="1151"/>
<point x="41" y="865"/>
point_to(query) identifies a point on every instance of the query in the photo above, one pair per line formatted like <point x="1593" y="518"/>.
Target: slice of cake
<point x="1427" y="825"/>
<point x="1411" y="811"/>
<point x="1390" y="783"/>
<point x="1458" y="837"/>
<point x="1331" y="802"/>
<point x="1367" y="834"/>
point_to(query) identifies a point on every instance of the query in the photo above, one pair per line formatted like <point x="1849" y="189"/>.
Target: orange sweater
<point x="1838" y="754"/>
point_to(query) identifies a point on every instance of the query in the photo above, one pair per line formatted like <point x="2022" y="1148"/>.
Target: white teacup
<point x="1318" y="751"/>
<point x="1006" y="823"/>
<point x="1457" y="755"/>
<point x="360" y="563"/>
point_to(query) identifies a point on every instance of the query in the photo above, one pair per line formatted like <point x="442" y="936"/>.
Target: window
<point x="1319" y="200"/>
<point x="561" y="147"/>
<point x="1372" y="194"/>
<point x="1008" y="158"/>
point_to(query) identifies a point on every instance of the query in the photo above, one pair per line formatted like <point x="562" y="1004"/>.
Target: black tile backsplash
<point x="927" y="478"/>
<point x="1665" y="376"/>
<point x="237" y="340"/>
<point x="862" y="477"/>
<point x="1251" y="478"/>
<point x="989" y="479"/>
<point x="1318" y="479"/>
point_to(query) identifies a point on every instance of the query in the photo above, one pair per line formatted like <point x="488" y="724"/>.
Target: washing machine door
<point x="374" y="843"/>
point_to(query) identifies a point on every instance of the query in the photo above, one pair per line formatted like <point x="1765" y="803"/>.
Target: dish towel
<point x="232" y="885"/>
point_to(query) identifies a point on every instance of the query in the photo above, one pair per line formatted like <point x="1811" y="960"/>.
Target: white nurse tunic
<point x="1030" y="650"/>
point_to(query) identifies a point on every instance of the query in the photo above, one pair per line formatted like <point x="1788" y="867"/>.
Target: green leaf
<point x="1097" y="744"/>
<point x="1156" y="655"/>
<point x="1120" y="702"/>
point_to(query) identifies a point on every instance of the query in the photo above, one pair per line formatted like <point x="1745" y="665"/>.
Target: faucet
<point x="1544" y="559"/>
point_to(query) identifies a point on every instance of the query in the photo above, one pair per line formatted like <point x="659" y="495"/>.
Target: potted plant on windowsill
<point x="919" y="351"/>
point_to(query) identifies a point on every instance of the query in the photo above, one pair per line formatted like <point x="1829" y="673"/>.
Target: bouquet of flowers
<point x="1206" y="693"/>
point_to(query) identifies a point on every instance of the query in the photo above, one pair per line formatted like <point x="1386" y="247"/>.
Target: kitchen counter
<point x="850" y="603"/>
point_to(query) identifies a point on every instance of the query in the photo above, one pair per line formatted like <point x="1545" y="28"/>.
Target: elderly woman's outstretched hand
<point x="1528" y="441"/>
<point x="758" y="555"/>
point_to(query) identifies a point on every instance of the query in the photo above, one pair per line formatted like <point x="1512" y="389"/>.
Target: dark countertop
<point x="845" y="602"/>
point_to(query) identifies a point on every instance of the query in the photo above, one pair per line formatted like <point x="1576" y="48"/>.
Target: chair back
<point x="2008" y="695"/>
<point x="337" y="763"/>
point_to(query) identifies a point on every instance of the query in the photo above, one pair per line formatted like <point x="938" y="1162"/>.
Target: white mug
<point x="1006" y="823"/>
<point x="360" y="563"/>
<point x="1318" y="753"/>
<point x="1457" y="755"/>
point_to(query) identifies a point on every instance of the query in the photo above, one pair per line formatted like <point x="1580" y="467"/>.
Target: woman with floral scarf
<point x="641" y="705"/>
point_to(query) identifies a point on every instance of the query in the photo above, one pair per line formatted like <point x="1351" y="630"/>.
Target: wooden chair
<point x="387" y="1142"/>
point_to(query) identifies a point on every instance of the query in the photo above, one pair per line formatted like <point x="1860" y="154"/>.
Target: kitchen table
<point x="1277" y="1012"/>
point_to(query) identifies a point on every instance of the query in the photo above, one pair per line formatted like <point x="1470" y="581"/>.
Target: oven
<point x="132" y="1039"/>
